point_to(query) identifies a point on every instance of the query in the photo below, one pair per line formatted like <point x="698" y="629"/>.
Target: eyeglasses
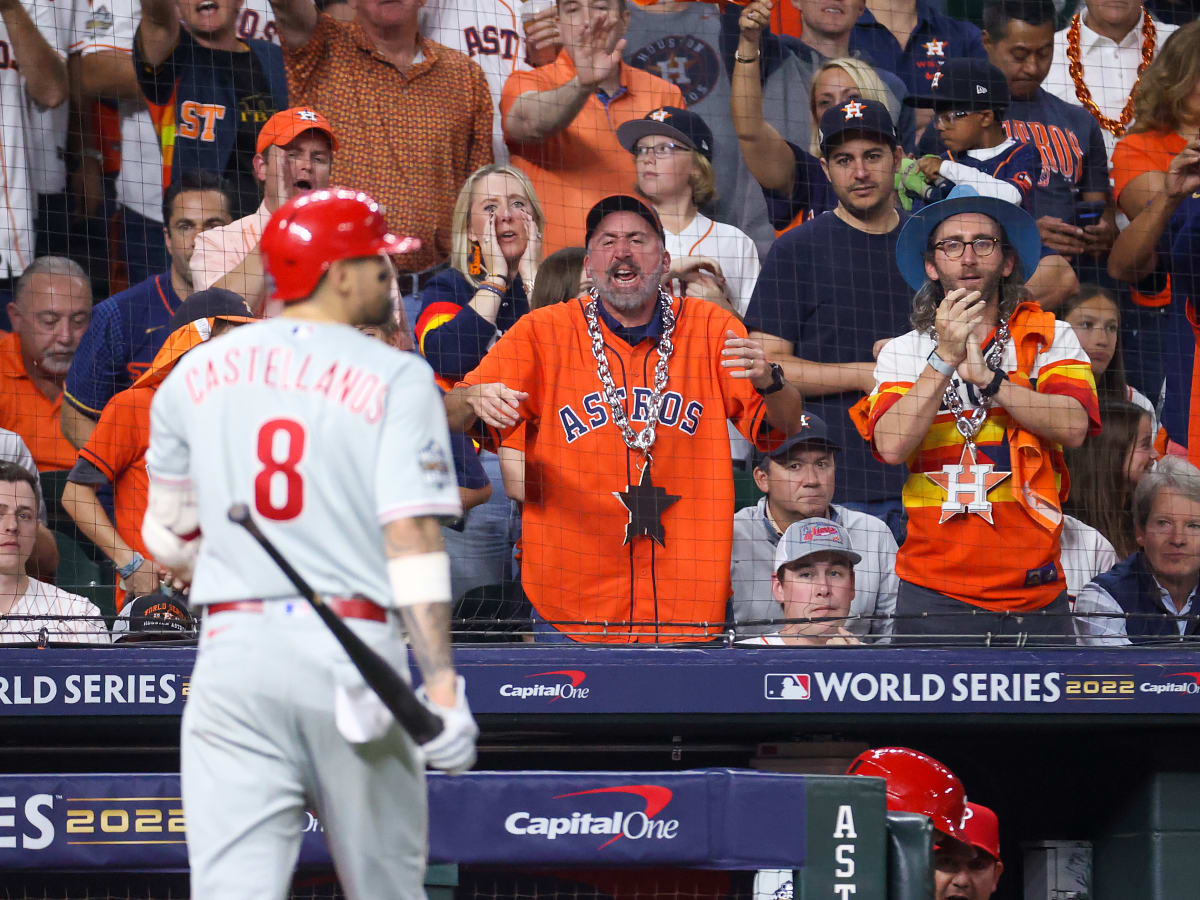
<point x="660" y="151"/>
<point x="954" y="249"/>
<point x="948" y="118"/>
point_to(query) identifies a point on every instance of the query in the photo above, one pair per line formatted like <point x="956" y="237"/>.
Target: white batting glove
<point x="453" y="750"/>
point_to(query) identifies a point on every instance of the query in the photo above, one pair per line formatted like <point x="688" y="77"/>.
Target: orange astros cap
<point x="283" y="127"/>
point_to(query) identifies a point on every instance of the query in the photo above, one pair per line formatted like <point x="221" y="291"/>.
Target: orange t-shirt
<point x="117" y="447"/>
<point x="577" y="167"/>
<point x="1147" y="151"/>
<point x="578" y="562"/>
<point x="26" y="410"/>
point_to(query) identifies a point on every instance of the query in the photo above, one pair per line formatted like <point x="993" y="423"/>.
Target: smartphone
<point x="1088" y="212"/>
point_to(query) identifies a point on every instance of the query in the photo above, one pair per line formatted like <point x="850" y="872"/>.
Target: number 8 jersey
<point x="325" y="433"/>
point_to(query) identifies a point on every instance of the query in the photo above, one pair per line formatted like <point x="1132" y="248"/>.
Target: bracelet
<point x="135" y="563"/>
<point x="939" y="365"/>
<point x="490" y="288"/>
<point x="503" y="278"/>
<point x="737" y="57"/>
<point x="993" y="387"/>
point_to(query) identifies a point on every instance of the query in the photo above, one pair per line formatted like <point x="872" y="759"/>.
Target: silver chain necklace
<point x="642" y="440"/>
<point x="968" y="426"/>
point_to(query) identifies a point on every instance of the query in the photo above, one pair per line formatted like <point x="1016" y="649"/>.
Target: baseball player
<point x="918" y="783"/>
<point x="339" y="445"/>
<point x="970" y="871"/>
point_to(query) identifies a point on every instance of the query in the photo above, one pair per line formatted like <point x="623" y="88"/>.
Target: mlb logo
<point x="786" y="687"/>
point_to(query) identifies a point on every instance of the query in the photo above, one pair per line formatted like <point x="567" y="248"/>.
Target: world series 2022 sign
<point x="140" y="681"/>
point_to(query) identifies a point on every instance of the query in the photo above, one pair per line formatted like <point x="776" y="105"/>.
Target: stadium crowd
<point x="805" y="322"/>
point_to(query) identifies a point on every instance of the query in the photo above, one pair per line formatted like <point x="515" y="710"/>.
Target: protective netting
<point x="790" y="167"/>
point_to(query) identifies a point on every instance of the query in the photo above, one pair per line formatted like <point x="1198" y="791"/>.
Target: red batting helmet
<point x="917" y="783"/>
<point x="312" y="231"/>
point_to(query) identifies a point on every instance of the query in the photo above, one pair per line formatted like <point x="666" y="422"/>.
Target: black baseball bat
<point x="413" y="715"/>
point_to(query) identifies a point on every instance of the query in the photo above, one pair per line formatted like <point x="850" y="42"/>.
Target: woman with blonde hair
<point x="495" y="251"/>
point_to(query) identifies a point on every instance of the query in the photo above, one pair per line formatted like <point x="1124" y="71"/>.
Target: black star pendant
<point x="646" y="504"/>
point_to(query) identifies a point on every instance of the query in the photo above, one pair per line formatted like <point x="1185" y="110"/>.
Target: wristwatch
<point x="776" y="381"/>
<point x="132" y="566"/>
<point x="994" y="385"/>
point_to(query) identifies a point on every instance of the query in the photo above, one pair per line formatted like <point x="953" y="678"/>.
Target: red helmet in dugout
<point x="310" y="232"/>
<point x="917" y="783"/>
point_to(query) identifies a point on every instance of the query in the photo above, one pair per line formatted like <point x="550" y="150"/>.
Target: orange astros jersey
<point x="575" y="562"/>
<point x="1010" y="562"/>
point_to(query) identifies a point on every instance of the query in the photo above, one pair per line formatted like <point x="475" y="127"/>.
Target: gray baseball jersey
<point x="325" y="433"/>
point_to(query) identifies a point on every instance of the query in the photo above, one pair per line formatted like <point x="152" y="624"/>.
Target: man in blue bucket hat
<point x="979" y="399"/>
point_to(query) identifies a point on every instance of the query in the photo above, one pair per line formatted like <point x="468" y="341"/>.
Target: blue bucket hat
<point x="1019" y="228"/>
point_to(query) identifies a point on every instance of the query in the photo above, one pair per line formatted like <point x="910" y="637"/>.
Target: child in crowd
<point x="1106" y="468"/>
<point x="969" y="98"/>
<point x="673" y="152"/>
<point x="560" y="278"/>
<point x="1095" y="316"/>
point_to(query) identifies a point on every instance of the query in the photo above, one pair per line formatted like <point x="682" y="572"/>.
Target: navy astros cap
<point x="861" y="116"/>
<point x="213" y="303"/>
<point x="813" y="430"/>
<point x="681" y="124"/>
<point x="622" y="203"/>
<point x="965" y="84"/>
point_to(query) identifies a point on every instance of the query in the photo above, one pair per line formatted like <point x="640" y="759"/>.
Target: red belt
<point x="346" y="607"/>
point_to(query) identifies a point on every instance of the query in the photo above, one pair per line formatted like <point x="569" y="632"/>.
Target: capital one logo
<point x="566" y="685"/>
<point x="641" y="824"/>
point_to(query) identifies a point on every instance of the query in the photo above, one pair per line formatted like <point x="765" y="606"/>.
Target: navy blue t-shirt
<point x="453" y="337"/>
<point x="1068" y="139"/>
<point x="126" y="331"/>
<point x="936" y="38"/>
<point x="833" y="291"/>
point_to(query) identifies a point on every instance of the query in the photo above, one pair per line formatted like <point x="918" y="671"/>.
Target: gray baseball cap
<point x="809" y="536"/>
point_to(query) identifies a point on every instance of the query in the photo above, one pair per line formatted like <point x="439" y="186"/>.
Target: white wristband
<point x="423" y="578"/>
<point x="939" y="365"/>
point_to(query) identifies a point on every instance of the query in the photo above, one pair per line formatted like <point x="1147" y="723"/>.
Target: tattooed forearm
<point x="428" y="627"/>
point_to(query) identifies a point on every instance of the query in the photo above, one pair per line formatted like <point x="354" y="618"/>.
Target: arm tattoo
<point x="428" y="627"/>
